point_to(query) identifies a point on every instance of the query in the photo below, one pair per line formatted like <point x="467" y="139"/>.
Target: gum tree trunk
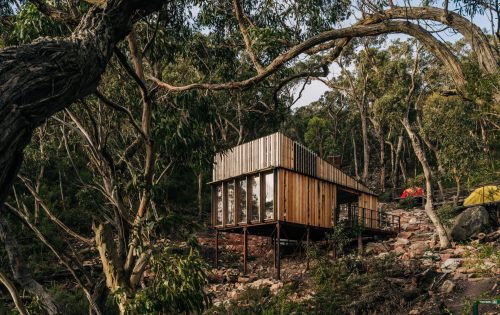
<point x="42" y="78"/>
<point x="429" y="206"/>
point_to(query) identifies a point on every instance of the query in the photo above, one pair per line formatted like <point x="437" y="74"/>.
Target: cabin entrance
<point x="347" y="202"/>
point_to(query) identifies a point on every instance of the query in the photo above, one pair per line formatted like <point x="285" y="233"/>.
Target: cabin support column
<point x="307" y="248"/>
<point x="273" y="241"/>
<point x="277" y="249"/>
<point x="360" y="244"/>
<point x="216" y="249"/>
<point x="245" y="248"/>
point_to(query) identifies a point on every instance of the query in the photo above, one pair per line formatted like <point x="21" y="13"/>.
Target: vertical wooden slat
<point x="224" y="204"/>
<point x="293" y="201"/>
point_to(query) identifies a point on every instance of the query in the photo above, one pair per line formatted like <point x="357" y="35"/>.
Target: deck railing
<point x="371" y="219"/>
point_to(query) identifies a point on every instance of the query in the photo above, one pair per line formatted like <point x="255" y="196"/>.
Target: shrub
<point x="407" y="203"/>
<point x="177" y="284"/>
<point x="255" y="301"/>
<point x="354" y="285"/>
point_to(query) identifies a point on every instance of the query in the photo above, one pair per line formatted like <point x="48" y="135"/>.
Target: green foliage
<point x="260" y="301"/>
<point x="385" y="196"/>
<point x="176" y="285"/>
<point x="451" y="123"/>
<point x="407" y="203"/>
<point x="199" y="41"/>
<point x="446" y="214"/>
<point x="317" y="135"/>
<point x="347" y="285"/>
<point x="340" y="236"/>
<point x="417" y="181"/>
<point x="479" y="257"/>
<point x="31" y="24"/>
<point x="336" y="281"/>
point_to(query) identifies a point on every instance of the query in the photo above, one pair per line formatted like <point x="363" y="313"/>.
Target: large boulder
<point x="469" y="223"/>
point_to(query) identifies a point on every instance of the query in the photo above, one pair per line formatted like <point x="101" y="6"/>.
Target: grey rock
<point x="431" y="255"/>
<point x="450" y="265"/>
<point x="447" y="286"/>
<point x="469" y="223"/>
<point x="402" y="241"/>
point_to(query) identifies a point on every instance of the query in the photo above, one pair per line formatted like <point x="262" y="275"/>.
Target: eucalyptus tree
<point x="395" y="88"/>
<point x="257" y="42"/>
<point x="91" y="44"/>
<point x="132" y="144"/>
<point x="410" y="97"/>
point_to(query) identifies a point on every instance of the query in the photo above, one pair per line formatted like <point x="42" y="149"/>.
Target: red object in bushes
<point x="412" y="192"/>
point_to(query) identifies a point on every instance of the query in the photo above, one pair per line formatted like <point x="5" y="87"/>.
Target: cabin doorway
<point x="347" y="203"/>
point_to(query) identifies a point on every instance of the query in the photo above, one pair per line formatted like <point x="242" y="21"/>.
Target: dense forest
<point x="111" y="112"/>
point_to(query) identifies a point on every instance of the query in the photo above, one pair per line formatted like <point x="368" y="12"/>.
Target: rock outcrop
<point x="470" y="223"/>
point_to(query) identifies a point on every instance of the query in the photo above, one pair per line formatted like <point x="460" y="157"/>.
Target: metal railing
<point x="368" y="219"/>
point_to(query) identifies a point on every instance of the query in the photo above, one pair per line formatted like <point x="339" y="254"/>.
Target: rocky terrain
<point x="456" y="276"/>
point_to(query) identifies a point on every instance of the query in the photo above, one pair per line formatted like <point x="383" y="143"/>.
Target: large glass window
<point x="230" y="203"/>
<point x="219" y="204"/>
<point x="269" y="197"/>
<point x="242" y="200"/>
<point x="255" y="197"/>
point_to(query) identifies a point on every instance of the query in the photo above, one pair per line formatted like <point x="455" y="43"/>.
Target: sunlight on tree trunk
<point x="13" y="293"/>
<point x="429" y="206"/>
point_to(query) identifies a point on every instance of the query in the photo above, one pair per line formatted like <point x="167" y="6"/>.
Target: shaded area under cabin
<point x="276" y="187"/>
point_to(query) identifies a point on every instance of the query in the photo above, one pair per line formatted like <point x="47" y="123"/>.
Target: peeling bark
<point x="112" y="265"/>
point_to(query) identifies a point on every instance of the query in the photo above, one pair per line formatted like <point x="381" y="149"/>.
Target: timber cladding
<point x="305" y="200"/>
<point x="277" y="150"/>
<point x="276" y="179"/>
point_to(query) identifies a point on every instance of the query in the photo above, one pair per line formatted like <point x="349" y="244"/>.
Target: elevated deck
<point x="358" y="219"/>
<point x="276" y="187"/>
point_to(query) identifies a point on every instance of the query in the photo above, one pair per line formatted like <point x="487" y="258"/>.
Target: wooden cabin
<point x="274" y="183"/>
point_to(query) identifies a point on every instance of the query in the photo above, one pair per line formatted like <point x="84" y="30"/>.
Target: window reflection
<point x="242" y="201"/>
<point x="219" y="204"/>
<point x="230" y="203"/>
<point x="255" y="197"/>
<point x="269" y="198"/>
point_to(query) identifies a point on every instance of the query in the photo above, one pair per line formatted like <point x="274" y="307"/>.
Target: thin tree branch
<point x="51" y="216"/>
<point x="65" y="260"/>
<point x="122" y="109"/>
<point x="238" y="12"/>
<point x="13" y="293"/>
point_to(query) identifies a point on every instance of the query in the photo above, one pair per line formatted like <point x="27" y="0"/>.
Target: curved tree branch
<point x="51" y="216"/>
<point x="431" y="43"/>
<point x="20" y="272"/>
<point x="487" y="58"/>
<point x="63" y="258"/>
